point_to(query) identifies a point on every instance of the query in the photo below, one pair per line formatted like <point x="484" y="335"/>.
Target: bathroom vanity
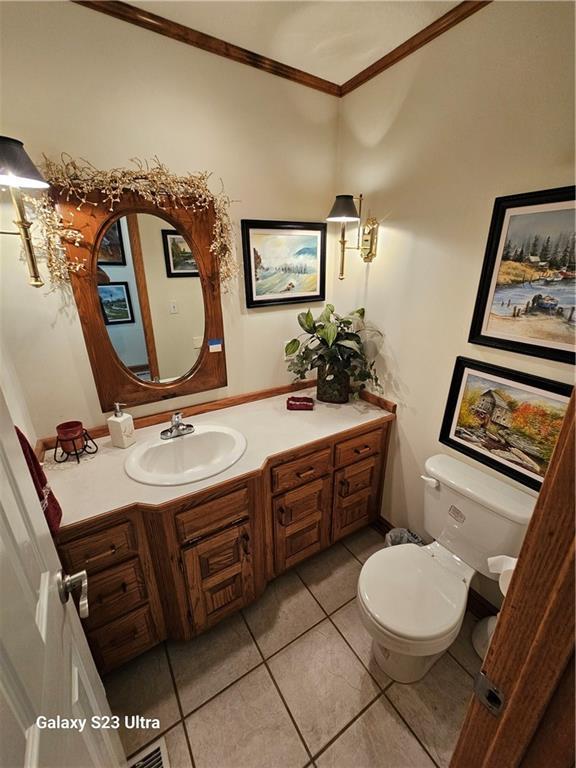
<point x="172" y="561"/>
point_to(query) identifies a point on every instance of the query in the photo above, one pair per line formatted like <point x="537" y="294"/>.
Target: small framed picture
<point x="284" y="262"/>
<point x="111" y="252"/>
<point x="507" y="420"/>
<point x="180" y="261"/>
<point x="527" y="295"/>
<point x="116" y="303"/>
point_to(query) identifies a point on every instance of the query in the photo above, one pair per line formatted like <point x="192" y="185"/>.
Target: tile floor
<point x="290" y="682"/>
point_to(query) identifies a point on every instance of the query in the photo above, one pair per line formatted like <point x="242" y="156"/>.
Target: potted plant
<point x="335" y="347"/>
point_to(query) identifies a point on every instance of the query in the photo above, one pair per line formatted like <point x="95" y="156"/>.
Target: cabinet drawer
<point x="101" y="549"/>
<point x="213" y="515"/>
<point x="123" y="639"/>
<point x="356" y="477"/>
<point x="295" y="473"/>
<point x="349" y="451"/>
<point x="114" y="592"/>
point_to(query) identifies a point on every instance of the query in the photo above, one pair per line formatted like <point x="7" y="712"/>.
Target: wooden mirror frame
<point x="114" y="381"/>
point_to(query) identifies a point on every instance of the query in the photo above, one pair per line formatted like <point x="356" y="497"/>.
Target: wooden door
<point x="355" y="497"/>
<point x="302" y="522"/>
<point x="531" y="655"/>
<point x="219" y="574"/>
<point x="46" y="669"/>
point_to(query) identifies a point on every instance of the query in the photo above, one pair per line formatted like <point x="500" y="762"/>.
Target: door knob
<point x="67" y="584"/>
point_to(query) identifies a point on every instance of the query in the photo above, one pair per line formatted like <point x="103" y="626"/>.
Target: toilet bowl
<point x="412" y="601"/>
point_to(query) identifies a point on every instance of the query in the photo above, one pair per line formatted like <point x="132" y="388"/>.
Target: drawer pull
<point x="364" y="449"/>
<point x="344" y="487"/>
<point x="124" y="639"/>
<point x="246" y="543"/>
<point x="123" y="588"/>
<point x="306" y="473"/>
<point x="107" y="552"/>
<point x="282" y="516"/>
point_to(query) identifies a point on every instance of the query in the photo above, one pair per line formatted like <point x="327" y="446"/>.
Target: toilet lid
<point x="410" y="594"/>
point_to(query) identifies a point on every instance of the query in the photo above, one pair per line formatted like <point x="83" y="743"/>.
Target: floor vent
<point x="154" y="756"/>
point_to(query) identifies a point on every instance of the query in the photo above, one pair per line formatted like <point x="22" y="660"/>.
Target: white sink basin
<point x="203" y="453"/>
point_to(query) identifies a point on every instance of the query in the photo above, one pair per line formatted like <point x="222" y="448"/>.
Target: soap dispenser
<point x="121" y="427"/>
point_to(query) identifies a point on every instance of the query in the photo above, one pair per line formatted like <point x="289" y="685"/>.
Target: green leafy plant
<point x="334" y="343"/>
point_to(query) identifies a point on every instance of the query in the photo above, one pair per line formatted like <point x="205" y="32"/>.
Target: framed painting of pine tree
<point x="527" y="295"/>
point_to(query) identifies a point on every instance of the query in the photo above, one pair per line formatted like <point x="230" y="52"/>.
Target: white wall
<point x="107" y="91"/>
<point x="483" y="111"/>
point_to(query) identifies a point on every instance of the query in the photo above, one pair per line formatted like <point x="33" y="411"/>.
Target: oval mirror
<point x="150" y="296"/>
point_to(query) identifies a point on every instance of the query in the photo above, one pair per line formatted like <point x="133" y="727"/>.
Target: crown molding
<point x="183" y="34"/>
<point x="426" y="35"/>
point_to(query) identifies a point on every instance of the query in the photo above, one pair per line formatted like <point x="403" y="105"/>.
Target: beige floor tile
<point x="378" y="738"/>
<point x="143" y="687"/>
<point x="246" y="726"/>
<point x="322" y="682"/>
<point x="364" y="543"/>
<point x="204" y="666"/>
<point x="347" y="619"/>
<point x="177" y="746"/>
<point x="332" y="577"/>
<point x="462" y="648"/>
<point x="285" y="610"/>
<point x="435" y="706"/>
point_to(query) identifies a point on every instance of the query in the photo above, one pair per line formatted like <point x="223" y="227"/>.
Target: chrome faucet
<point x="177" y="428"/>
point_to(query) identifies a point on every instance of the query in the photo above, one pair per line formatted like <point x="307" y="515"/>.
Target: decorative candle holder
<point x="72" y="440"/>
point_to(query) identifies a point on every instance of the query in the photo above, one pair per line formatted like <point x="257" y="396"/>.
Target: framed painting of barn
<point x="526" y="301"/>
<point x="507" y="420"/>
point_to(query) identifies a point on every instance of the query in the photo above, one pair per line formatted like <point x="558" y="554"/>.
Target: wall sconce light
<point x="18" y="172"/>
<point x="344" y="211"/>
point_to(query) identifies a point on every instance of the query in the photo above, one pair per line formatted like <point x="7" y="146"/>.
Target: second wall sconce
<point x="344" y="211"/>
<point x="18" y="172"/>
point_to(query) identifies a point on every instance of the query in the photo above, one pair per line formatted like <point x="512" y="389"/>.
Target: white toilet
<point x="412" y="599"/>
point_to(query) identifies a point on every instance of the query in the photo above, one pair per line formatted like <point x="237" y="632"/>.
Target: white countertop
<point x="100" y="484"/>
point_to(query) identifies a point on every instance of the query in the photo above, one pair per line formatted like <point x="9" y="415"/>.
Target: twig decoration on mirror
<point x="75" y="180"/>
<point x="49" y="234"/>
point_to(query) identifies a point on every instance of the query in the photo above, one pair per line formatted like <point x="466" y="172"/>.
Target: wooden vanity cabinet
<point x="175" y="570"/>
<point x="308" y="515"/>
<point x="208" y="554"/>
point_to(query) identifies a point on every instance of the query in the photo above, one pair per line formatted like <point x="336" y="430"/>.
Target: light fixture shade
<point x="16" y="168"/>
<point x="344" y="209"/>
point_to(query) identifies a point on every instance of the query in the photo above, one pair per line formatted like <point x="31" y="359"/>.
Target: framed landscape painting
<point x="527" y="295"/>
<point x="116" y="303"/>
<point x="111" y="251"/>
<point x="507" y="420"/>
<point x="284" y="262"/>
<point x="180" y="261"/>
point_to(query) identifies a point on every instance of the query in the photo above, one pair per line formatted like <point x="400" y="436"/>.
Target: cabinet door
<point x="355" y="497"/>
<point x="302" y="522"/>
<point x="219" y="574"/>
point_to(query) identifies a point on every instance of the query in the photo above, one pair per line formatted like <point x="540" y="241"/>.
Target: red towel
<point x="50" y="506"/>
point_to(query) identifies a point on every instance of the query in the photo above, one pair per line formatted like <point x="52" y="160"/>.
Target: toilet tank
<point x="472" y="514"/>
